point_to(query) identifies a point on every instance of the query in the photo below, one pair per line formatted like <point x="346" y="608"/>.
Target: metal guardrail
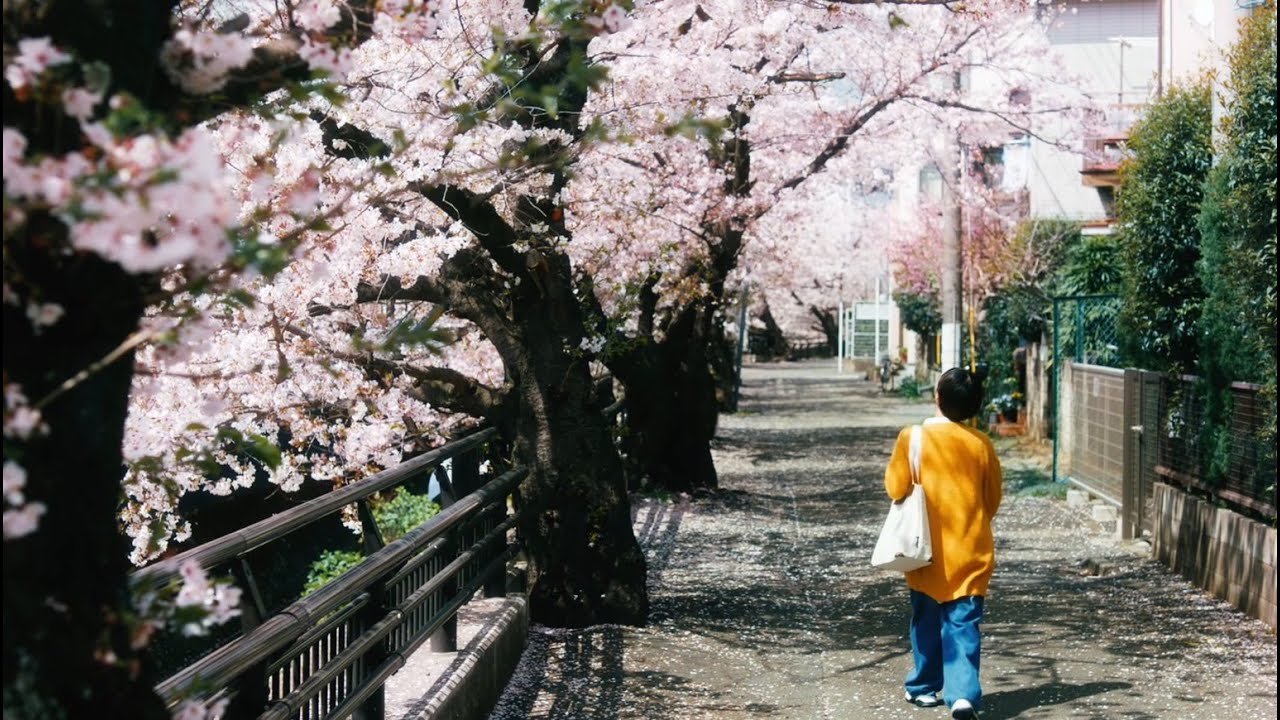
<point x="236" y="544"/>
<point x="329" y="654"/>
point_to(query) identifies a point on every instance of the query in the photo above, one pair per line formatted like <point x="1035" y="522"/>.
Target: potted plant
<point x="1007" y="406"/>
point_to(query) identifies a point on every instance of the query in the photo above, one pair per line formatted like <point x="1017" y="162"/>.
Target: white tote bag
<point x="904" y="543"/>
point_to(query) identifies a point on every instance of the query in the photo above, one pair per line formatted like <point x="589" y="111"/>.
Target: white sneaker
<point x="926" y="700"/>
<point x="963" y="710"/>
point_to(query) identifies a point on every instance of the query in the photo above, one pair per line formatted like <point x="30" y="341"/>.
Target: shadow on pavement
<point x="1012" y="703"/>
<point x="763" y="603"/>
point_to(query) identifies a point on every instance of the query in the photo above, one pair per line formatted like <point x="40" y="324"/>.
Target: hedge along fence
<point x="1124" y="430"/>
<point x="1236" y="467"/>
<point x="1140" y="439"/>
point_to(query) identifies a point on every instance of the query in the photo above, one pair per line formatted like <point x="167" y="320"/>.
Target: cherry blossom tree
<point x="116" y="198"/>
<point x="476" y="216"/>
<point x="772" y="99"/>
<point x="438" y="297"/>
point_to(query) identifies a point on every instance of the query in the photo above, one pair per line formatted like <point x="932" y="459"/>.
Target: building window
<point x="931" y="183"/>
<point x="1097" y="21"/>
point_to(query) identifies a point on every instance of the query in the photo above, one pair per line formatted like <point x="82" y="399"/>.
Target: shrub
<point x="1238" y="225"/>
<point x="395" y="516"/>
<point x="329" y="566"/>
<point x="1162" y="186"/>
<point x="921" y="313"/>
<point x="403" y="512"/>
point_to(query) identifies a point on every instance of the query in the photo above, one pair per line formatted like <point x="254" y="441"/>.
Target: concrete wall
<point x="1221" y="551"/>
<point x="1039" y="397"/>
<point x="469" y="687"/>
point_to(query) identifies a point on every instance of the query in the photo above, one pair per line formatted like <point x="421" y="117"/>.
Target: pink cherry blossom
<point x="15" y="480"/>
<point x="43" y="315"/>
<point x="23" y="520"/>
<point x="35" y="55"/>
<point x="201" y="61"/>
<point x="317" y="15"/>
<point x="80" y="102"/>
<point x="336" y="62"/>
<point x="201" y="710"/>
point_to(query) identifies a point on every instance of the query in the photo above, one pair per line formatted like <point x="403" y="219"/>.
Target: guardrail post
<point x="496" y="584"/>
<point x="251" y="688"/>
<point x="375" y="707"/>
<point x="446" y="638"/>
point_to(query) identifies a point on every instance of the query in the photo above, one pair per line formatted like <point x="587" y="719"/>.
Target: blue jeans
<point x="946" y="646"/>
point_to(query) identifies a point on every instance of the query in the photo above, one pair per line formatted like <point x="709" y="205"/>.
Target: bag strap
<point x="914" y="451"/>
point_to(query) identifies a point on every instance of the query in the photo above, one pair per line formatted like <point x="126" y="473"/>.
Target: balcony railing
<point x="1102" y="158"/>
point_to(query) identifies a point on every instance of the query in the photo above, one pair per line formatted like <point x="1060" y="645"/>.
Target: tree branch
<point x="836" y="146"/>
<point x="958" y="105"/>
<point x="480" y="217"/>
<point x="444" y="388"/>
<point x="389" y="288"/>
<point x="805" y="77"/>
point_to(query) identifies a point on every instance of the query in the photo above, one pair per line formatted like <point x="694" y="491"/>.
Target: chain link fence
<point x="1084" y="330"/>
<point x="1088" y="394"/>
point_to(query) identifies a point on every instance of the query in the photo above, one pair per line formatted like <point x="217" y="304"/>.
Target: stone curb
<point x="469" y="687"/>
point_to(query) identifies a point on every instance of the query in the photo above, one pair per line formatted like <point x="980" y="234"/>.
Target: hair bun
<point x="980" y="373"/>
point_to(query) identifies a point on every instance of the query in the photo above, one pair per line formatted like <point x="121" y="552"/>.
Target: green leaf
<point x="264" y="450"/>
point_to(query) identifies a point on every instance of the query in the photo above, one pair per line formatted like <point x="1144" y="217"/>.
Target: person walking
<point x="962" y="483"/>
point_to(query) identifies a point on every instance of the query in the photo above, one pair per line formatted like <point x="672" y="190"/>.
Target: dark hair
<point x="960" y="392"/>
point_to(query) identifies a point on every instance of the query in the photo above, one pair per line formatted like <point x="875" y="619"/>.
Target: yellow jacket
<point x="962" y="487"/>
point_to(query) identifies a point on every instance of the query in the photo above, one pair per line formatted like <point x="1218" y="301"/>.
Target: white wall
<point x="1110" y="46"/>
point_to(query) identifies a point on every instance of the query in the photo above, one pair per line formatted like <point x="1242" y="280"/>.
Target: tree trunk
<point x="723" y="362"/>
<point x="776" y="344"/>
<point x="922" y="357"/>
<point x="586" y="566"/>
<point x="826" y="319"/>
<point x="671" y="404"/>
<point x="67" y="650"/>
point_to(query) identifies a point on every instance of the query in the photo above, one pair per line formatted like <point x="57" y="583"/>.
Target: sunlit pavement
<point x="763" y="605"/>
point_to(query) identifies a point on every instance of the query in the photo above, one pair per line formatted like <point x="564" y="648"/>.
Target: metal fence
<point x="1091" y="444"/>
<point x="1084" y="337"/>
<point x="1124" y="430"/>
<point x="1144" y="394"/>
<point x="1084" y="329"/>
<point x="1247" y="477"/>
<point x="329" y="654"/>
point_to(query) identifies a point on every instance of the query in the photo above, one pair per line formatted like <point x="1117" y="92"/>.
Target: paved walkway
<point x="764" y="607"/>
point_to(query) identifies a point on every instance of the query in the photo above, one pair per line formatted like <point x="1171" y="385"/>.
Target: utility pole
<point x="742" y="346"/>
<point x="952" y="322"/>
<point x="952" y="304"/>
<point x="840" y="337"/>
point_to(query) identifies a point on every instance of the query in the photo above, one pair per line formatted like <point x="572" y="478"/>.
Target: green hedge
<point x="395" y="515"/>
<point x="1157" y="205"/>
<point x="1238" y="225"/>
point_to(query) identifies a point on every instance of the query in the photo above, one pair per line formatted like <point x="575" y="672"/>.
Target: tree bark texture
<point x="67" y="650"/>
<point x="671" y="403"/>
<point x="585" y="564"/>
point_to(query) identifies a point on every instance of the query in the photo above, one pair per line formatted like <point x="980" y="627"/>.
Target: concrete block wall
<point x="475" y="676"/>
<point x="1221" y="551"/>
